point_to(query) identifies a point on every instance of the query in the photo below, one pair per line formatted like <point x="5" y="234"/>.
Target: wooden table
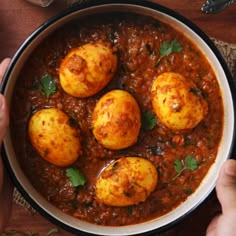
<point x="19" y="18"/>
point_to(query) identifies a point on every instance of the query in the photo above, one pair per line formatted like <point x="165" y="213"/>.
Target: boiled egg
<point x="177" y="101"/>
<point x="127" y="181"/>
<point x="87" y="69"/>
<point x="53" y="136"/>
<point x="116" y="120"/>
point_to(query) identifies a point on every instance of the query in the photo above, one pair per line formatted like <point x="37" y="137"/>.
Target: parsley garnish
<point x="46" y="85"/>
<point x="167" y="48"/>
<point x="75" y="176"/>
<point x="190" y="163"/>
<point x="148" y="120"/>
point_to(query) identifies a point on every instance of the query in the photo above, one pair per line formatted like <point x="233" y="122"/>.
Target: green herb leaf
<point x="178" y="165"/>
<point x="148" y="120"/>
<point x="191" y="163"/>
<point x="46" y="85"/>
<point x="75" y="176"/>
<point x="167" y="48"/>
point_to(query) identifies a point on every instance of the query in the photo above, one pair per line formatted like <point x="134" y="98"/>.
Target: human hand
<point x="224" y="224"/>
<point x="5" y="184"/>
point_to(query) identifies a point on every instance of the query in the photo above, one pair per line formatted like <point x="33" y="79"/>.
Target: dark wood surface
<point x="19" y="18"/>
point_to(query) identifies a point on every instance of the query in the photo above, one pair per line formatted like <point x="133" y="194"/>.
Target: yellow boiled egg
<point x="127" y="181"/>
<point x="116" y="120"/>
<point x="177" y="101"/>
<point x="87" y="69"/>
<point x="53" y="137"/>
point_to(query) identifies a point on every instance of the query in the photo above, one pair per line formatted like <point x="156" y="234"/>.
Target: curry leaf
<point x="167" y="48"/>
<point x="46" y="85"/>
<point x="148" y="120"/>
<point x="75" y="176"/>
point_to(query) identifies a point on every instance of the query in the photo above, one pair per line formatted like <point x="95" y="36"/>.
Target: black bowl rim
<point x="79" y="6"/>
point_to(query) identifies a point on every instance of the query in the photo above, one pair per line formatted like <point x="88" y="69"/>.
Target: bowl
<point x="224" y="79"/>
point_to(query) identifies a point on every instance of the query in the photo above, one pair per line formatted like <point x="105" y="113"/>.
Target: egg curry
<point x="116" y="119"/>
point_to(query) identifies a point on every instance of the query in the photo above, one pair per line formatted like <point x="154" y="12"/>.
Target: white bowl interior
<point x="209" y="181"/>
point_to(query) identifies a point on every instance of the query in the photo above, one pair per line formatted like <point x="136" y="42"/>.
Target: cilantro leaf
<point x="178" y="165"/>
<point x="167" y="48"/>
<point x="176" y="46"/>
<point x="75" y="176"/>
<point x="148" y="120"/>
<point x="190" y="163"/>
<point x="46" y="85"/>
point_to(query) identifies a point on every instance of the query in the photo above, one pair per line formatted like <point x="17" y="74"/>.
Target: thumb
<point x="4" y="117"/>
<point x="226" y="187"/>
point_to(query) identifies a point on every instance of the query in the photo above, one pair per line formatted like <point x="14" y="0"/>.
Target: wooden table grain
<point x="18" y="19"/>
